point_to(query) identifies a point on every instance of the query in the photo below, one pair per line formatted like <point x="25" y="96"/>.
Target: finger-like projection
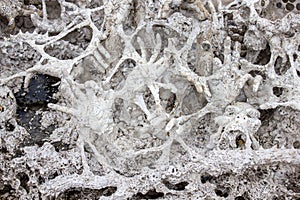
<point x="237" y="127"/>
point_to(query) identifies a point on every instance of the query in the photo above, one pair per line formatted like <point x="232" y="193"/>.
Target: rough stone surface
<point x="170" y="99"/>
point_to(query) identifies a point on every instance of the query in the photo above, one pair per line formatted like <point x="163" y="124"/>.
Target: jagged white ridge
<point x="152" y="75"/>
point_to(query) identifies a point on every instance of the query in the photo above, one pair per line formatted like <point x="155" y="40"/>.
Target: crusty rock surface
<point x="170" y="99"/>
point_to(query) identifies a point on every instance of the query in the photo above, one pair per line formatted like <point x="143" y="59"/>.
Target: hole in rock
<point x="295" y="56"/>
<point x="206" y="177"/>
<point x="118" y="79"/>
<point x="289" y="34"/>
<point x="228" y="16"/>
<point x="88" y="69"/>
<point x="246" y="13"/>
<point x="53" y="176"/>
<point x="168" y="99"/>
<point x="132" y="18"/>
<point x="292" y="182"/>
<point x="86" y="193"/>
<point x="91" y="4"/>
<point x="266" y="115"/>
<point x="41" y="180"/>
<point x="3" y="24"/>
<point x="219" y="55"/>
<point x="240" y="141"/>
<point x="193" y="101"/>
<point x="37" y="3"/>
<point x="53" y="9"/>
<point x="149" y="99"/>
<point x="178" y="186"/>
<point x="253" y="73"/>
<point x="296" y="144"/>
<point x="70" y="46"/>
<point x="279" y="5"/>
<point x="244" y="196"/>
<point x="97" y="18"/>
<point x="264" y="56"/>
<point x="222" y="192"/>
<point x="23" y="177"/>
<point x="80" y="37"/>
<point x="63" y="50"/>
<point x="241" y="97"/>
<point x="9" y="126"/>
<point x="205" y="46"/>
<point x="24" y="24"/>
<point x="60" y="146"/>
<point x="279" y="198"/>
<point x="277" y="91"/>
<point x="6" y="189"/>
<point x="3" y="149"/>
<point x="239" y="198"/>
<point x="147" y="159"/>
<point x="31" y="102"/>
<point x="18" y="153"/>
<point x="117" y="110"/>
<point x="282" y="65"/>
<point x="17" y="58"/>
<point x="289" y="6"/>
<point x="151" y="194"/>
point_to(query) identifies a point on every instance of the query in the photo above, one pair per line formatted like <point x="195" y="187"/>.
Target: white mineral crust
<point x="169" y="99"/>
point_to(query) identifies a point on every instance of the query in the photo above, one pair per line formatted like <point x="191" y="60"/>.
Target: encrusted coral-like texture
<point x="170" y="99"/>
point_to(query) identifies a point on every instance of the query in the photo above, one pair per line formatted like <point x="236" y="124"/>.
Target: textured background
<point x="170" y="99"/>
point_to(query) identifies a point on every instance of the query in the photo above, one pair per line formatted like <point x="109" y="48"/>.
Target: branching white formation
<point x="161" y="99"/>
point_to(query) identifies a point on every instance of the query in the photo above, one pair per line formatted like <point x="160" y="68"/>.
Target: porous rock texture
<point x="169" y="99"/>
